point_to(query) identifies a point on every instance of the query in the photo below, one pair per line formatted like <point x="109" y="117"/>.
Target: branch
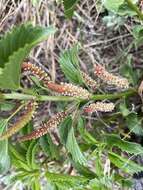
<point x="19" y="96"/>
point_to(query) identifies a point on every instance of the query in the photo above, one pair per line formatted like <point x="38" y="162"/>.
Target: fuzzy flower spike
<point x="109" y="78"/>
<point x="45" y="127"/>
<point x="67" y="89"/>
<point x="36" y="71"/>
<point x="99" y="106"/>
<point x="89" y="81"/>
<point x="30" y="108"/>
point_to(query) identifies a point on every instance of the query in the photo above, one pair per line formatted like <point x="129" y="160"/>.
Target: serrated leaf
<point x="85" y="134"/>
<point x="69" y="65"/>
<point x="30" y="155"/>
<point x="18" y="160"/>
<point x="69" y="140"/>
<point x="124" y="164"/>
<point x="14" y="47"/>
<point x="130" y="147"/>
<point x="128" y="71"/>
<point x="69" y="6"/>
<point x="137" y="32"/>
<point x="134" y="124"/>
<point x="113" y="5"/>
<point x="49" y="148"/>
<point x="4" y="156"/>
<point x="66" y="181"/>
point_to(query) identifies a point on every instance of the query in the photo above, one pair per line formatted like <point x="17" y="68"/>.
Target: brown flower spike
<point x="89" y="81"/>
<point x="22" y="121"/>
<point x="69" y="90"/>
<point x="109" y="78"/>
<point x="99" y="106"/>
<point x="45" y="127"/>
<point x="37" y="71"/>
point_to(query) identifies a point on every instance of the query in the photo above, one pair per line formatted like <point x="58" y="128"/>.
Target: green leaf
<point x="137" y="32"/>
<point x="14" y="47"/>
<point x="124" y="110"/>
<point x="30" y="155"/>
<point x="134" y="124"/>
<point x="70" y="65"/>
<point x="18" y="160"/>
<point x="124" y="164"/>
<point x="6" y="106"/>
<point x="130" y="147"/>
<point x="128" y="71"/>
<point x="84" y="133"/>
<point x="69" y="140"/>
<point x="4" y="156"/>
<point x="49" y="148"/>
<point x="66" y="182"/>
<point x="113" y="5"/>
<point x="69" y="6"/>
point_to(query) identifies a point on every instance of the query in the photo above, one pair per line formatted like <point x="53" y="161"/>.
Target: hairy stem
<point x="135" y="8"/>
<point x="19" y="96"/>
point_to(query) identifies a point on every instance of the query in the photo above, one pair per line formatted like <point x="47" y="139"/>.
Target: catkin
<point x="69" y="90"/>
<point x="36" y="71"/>
<point x="99" y="106"/>
<point x="89" y="81"/>
<point x="45" y="127"/>
<point x="22" y="121"/>
<point x="111" y="79"/>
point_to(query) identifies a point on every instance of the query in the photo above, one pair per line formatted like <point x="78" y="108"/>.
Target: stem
<point x="115" y="95"/>
<point x="19" y="96"/>
<point x="135" y="8"/>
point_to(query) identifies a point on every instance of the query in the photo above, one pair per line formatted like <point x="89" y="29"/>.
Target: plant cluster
<point x="100" y="156"/>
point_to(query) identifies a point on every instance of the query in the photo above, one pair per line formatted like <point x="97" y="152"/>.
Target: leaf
<point x="113" y="5"/>
<point x="124" y="110"/>
<point x="49" y="148"/>
<point x="83" y="170"/>
<point x="69" y="140"/>
<point x="124" y="164"/>
<point x="130" y="147"/>
<point x="4" y="156"/>
<point x="6" y="106"/>
<point x="137" y="32"/>
<point x="69" y="6"/>
<point x="128" y="71"/>
<point x="85" y="134"/>
<point x="69" y="65"/>
<point x="66" y="181"/>
<point x="30" y="155"/>
<point x="14" y="47"/>
<point x="18" y="160"/>
<point x="134" y="124"/>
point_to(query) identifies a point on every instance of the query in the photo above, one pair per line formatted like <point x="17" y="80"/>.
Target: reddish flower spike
<point x="37" y="71"/>
<point x="45" y="127"/>
<point x="69" y="90"/>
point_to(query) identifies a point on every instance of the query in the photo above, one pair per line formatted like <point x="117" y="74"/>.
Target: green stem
<point x="19" y="96"/>
<point x="135" y="8"/>
<point x="114" y="95"/>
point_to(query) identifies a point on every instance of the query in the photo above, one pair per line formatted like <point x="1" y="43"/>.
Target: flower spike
<point x="109" y="78"/>
<point x="37" y="71"/>
<point x="99" y="106"/>
<point x="22" y="121"/>
<point x="45" y="127"/>
<point x="69" y="90"/>
<point x="89" y="81"/>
